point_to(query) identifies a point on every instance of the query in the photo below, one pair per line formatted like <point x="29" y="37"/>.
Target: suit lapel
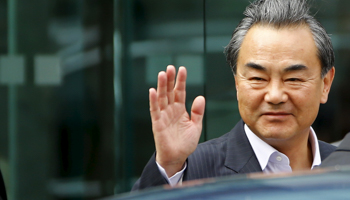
<point x="240" y="156"/>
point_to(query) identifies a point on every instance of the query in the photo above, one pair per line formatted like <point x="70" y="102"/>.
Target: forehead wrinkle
<point x="261" y="47"/>
<point x="272" y="49"/>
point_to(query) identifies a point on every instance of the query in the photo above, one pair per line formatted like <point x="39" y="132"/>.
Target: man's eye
<point x="293" y="79"/>
<point x="257" y="79"/>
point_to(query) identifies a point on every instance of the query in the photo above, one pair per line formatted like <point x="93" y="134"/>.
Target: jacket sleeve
<point x="150" y="176"/>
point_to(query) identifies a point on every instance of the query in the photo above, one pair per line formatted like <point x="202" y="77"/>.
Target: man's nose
<point x="275" y="93"/>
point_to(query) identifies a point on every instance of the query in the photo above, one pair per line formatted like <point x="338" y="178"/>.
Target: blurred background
<point x="74" y="80"/>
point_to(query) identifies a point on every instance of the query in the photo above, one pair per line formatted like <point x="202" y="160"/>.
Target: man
<point x="282" y="60"/>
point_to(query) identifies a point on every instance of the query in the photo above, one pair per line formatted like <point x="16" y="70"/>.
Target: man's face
<point x="279" y="84"/>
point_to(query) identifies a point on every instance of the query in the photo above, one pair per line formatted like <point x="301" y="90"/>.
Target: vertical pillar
<point x="12" y="99"/>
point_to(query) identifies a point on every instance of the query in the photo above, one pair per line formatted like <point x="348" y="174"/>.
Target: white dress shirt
<point x="176" y="178"/>
<point x="270" y="160"/>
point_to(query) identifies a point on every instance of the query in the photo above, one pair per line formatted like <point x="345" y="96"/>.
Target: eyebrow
<point x="297" y="67"/>
<point x="256" y="66"/>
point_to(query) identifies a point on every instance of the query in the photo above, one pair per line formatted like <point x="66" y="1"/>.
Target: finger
<point x="171" y="71"/>
<point x="162" y="90"/>
<point x="180" y="86"/>
<point x="153" y="105"/>
<point x="197" y="110"/>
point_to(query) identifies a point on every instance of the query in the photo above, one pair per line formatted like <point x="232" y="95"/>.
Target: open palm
<point x="176" y="134"/>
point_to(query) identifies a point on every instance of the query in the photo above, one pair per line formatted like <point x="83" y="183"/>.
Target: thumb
<point x="197" y="110"/>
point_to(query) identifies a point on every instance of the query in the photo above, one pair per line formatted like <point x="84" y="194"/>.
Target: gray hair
<point x="279" y="14"/>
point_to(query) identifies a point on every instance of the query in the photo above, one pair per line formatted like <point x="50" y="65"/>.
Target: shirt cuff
<point x="176" y="178"/>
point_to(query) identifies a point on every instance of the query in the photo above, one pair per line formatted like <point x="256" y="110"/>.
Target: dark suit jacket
<point x="341" y="156"/>
<point x="227" y="155"/>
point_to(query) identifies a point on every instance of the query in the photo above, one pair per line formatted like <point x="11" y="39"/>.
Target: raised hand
<point x="176" y="134"/>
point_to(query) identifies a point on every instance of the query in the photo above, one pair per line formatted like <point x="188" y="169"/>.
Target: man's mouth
<point x="276" y="115"/>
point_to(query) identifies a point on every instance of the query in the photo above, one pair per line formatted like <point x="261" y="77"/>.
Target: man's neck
<point x="301" y="160"/>
<point x="299" y="153"/>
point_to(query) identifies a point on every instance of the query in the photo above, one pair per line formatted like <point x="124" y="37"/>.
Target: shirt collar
<point x="315" y="148"/>
<point x="263" y="151"/>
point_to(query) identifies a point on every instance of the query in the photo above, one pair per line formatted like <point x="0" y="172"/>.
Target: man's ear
<point x="327" y="83"/>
